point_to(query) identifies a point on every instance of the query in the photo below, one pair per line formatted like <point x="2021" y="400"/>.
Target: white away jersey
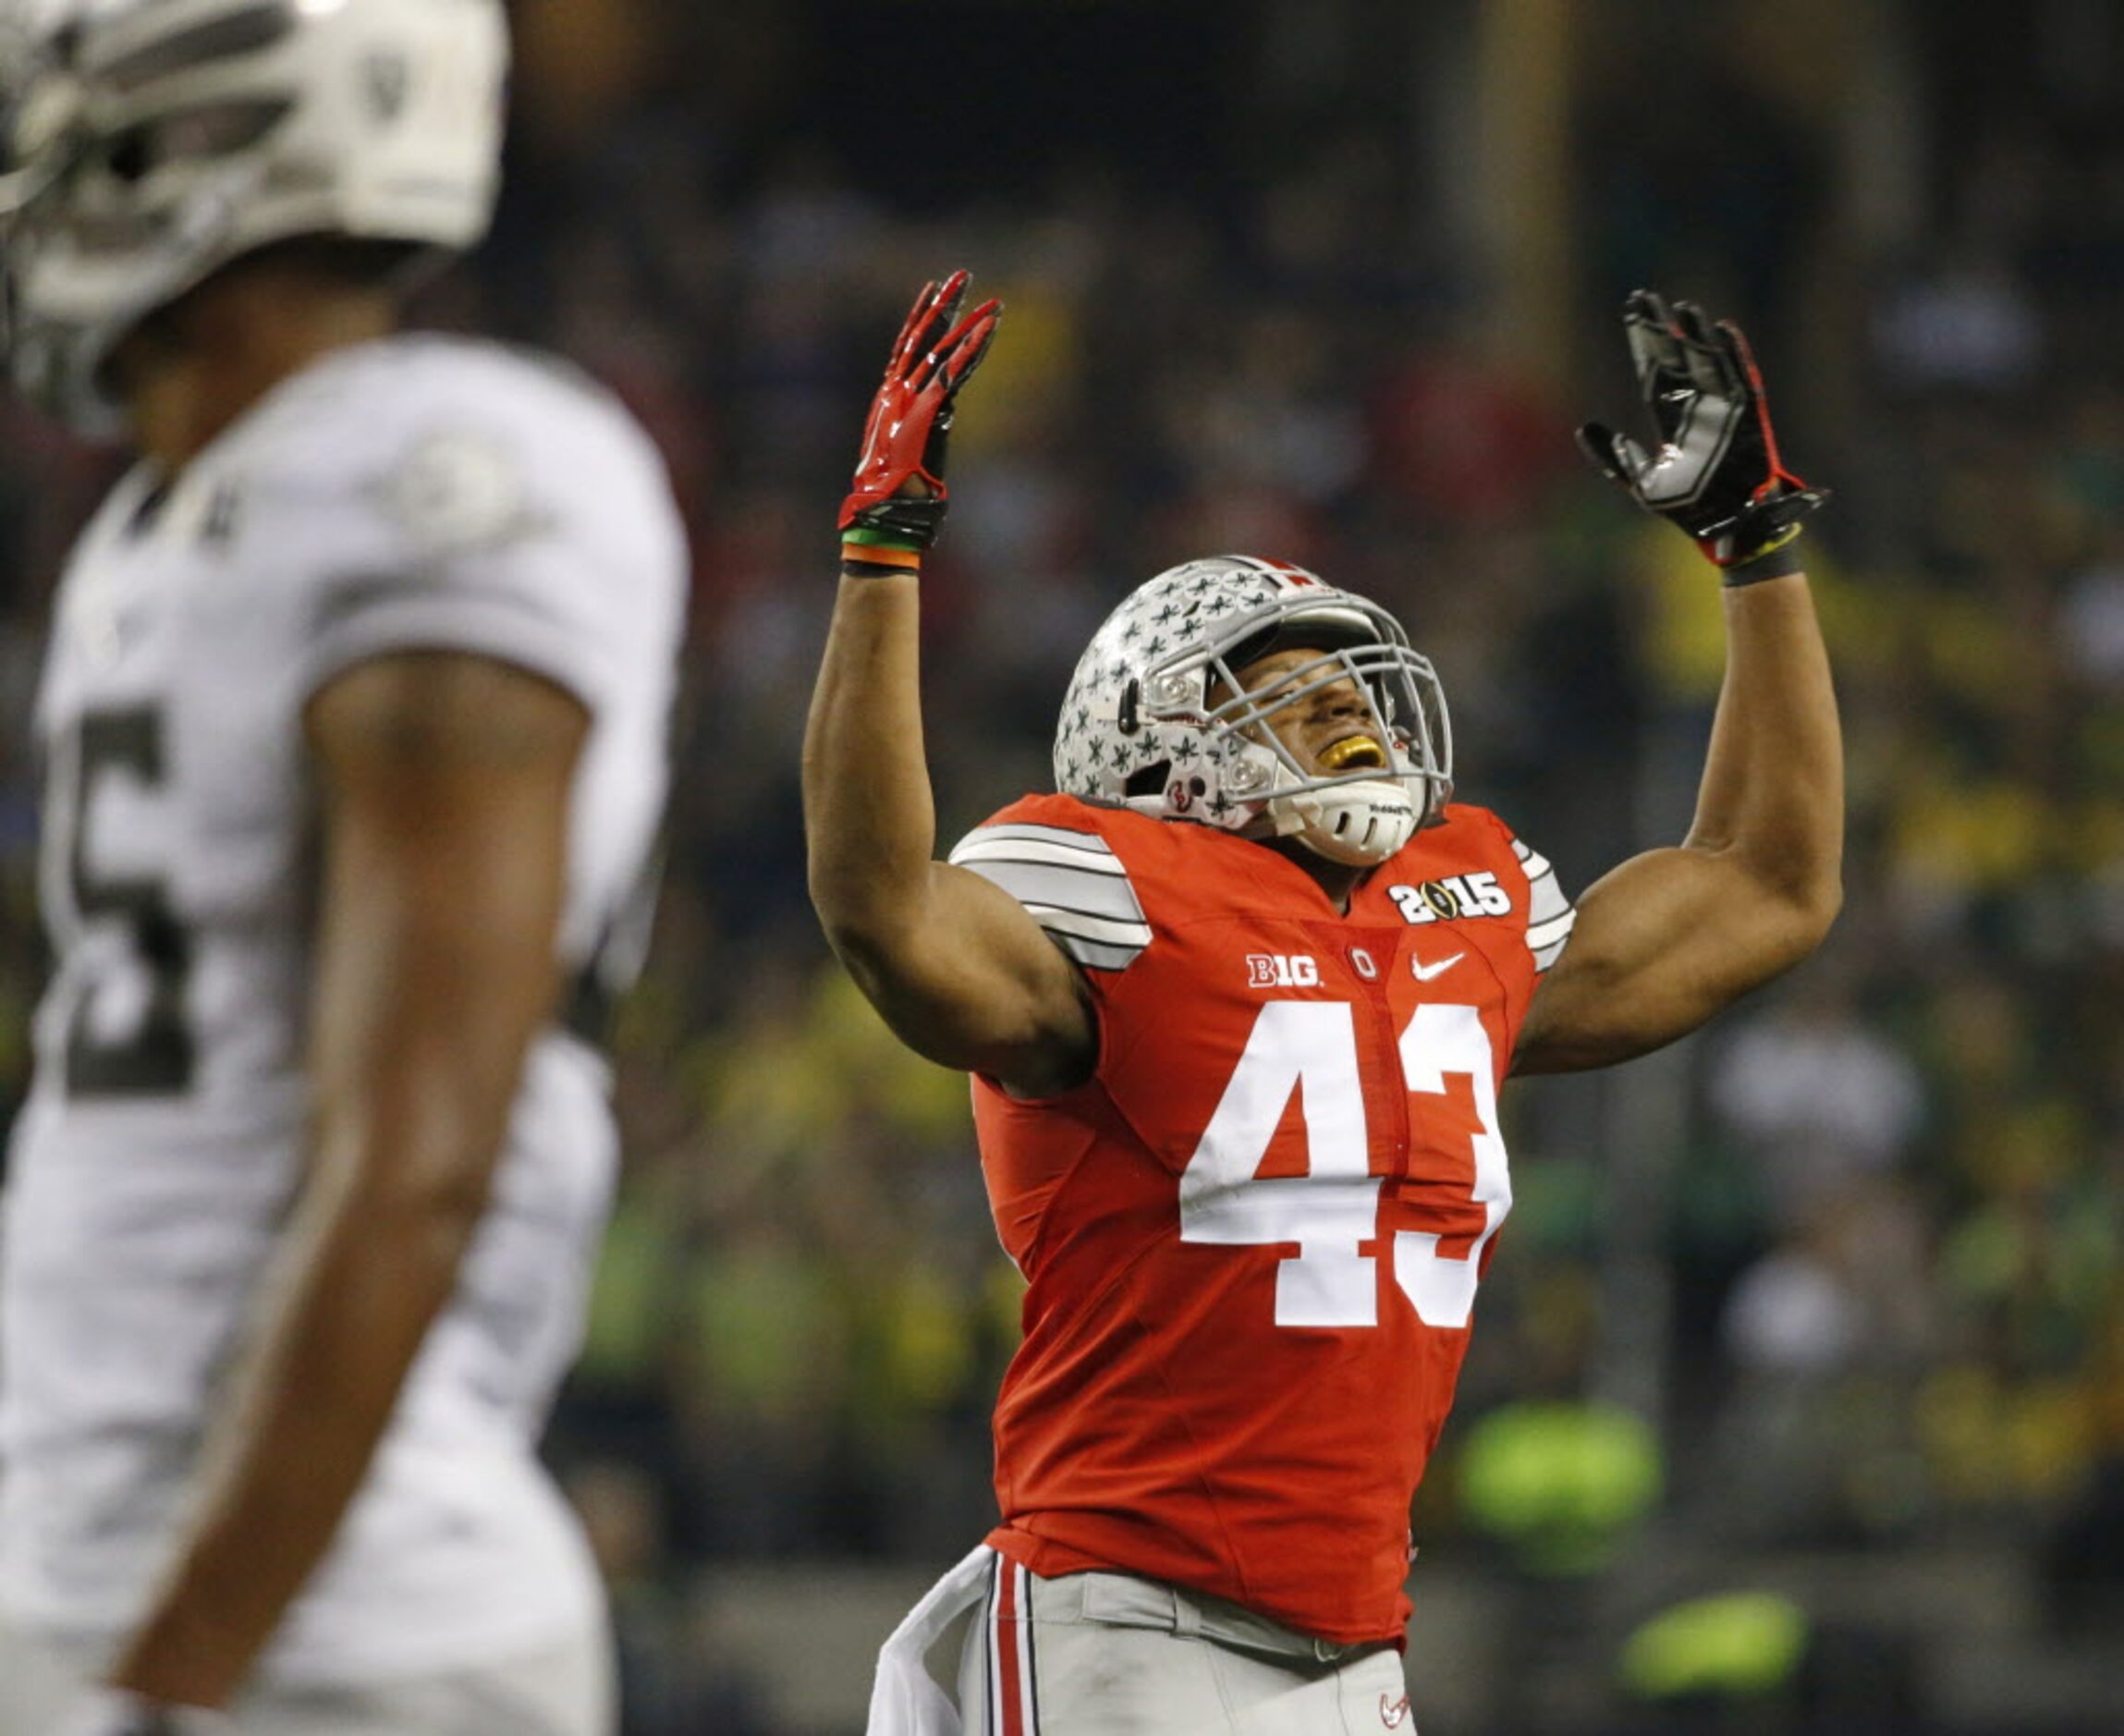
<point x="418" y="493"/>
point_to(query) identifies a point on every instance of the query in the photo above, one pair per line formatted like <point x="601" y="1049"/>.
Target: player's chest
<point x="1327" y="1086"/>
<point x="1382" y="1035"/>
<point x="161" y="593"/>
<point x="166" y="715"/>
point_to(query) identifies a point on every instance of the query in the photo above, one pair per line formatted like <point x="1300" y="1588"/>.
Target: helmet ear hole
<point x="1149" y="780"/>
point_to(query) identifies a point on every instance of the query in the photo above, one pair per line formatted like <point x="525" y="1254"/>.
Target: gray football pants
<point x="559" y="1690"/>
<point x="1108" y="1654"/>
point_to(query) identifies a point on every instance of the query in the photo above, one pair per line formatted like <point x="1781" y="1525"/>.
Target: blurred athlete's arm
<point x="445" y="780"/>
<point x="953" y="962"/>
<point x="1670" y="937"/>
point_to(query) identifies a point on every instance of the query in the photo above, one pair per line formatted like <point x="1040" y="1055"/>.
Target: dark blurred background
<point x="1797" y="1402"/>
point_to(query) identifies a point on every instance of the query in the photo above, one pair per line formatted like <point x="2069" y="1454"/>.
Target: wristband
<point x="866" y="537"/>
<point x="1779" y="561"/>
<point x="877" y="560"/>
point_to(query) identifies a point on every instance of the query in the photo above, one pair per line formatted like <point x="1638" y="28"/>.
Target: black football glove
<point x="1716" y="472"/>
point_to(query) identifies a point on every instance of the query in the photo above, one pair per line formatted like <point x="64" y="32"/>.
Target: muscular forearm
<point x="1667" y="938"/>
<point x="364" y="1273"/>
<point x="1773" y="788"/>
<point x="869" y="820"/>
<point x="954" y="964"/>
<point x="446" y="782"/>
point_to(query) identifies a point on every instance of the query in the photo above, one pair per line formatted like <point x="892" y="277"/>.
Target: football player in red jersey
<point x="1237" y="1000"/>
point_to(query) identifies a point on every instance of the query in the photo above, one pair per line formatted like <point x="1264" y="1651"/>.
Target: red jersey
<point x="1252" y="1240"/>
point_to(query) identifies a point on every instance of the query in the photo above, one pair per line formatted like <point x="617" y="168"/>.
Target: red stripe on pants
<point x="1008" y="1666"/>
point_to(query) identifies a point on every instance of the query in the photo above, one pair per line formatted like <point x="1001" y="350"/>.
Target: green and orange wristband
<point x="868" y="553"/>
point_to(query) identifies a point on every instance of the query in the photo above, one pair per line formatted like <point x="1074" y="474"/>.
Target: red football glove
<point x="910" y="417"/>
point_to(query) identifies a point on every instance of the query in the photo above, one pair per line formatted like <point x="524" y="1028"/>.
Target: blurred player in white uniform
<point x="353" y="716"/>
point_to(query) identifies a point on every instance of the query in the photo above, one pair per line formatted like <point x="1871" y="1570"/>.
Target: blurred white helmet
<point x="146" y="144"/>
<point x="1156" y="719"/>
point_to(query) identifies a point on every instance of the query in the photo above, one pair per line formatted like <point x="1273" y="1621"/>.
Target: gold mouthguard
<point x="1353" y="750"/>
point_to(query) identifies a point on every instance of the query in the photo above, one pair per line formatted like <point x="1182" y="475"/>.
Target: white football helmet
<point x="146" y="144"/>
<point x="1140" y="729"/>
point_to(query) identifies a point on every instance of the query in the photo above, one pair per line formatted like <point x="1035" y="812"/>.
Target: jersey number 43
<point x="1311" y="1047"/>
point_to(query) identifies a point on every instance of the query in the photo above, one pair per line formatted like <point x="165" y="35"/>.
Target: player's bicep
<point x="444" y="782"/>
<point x="1660" y="944"/>
<point x="974" y="982"/>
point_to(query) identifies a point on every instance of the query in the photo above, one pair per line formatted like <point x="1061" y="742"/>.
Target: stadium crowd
<point x="1891" y="1224"/>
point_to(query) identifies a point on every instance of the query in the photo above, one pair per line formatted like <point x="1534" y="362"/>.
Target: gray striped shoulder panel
<point x="1071" y="883"/>
<point x="1550" y="915"/>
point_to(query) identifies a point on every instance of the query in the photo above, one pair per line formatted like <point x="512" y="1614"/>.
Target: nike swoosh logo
<point x="1424" y="973"/>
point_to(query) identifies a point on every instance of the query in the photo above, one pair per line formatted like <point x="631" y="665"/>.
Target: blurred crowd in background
<point x="1844" y="1277"/>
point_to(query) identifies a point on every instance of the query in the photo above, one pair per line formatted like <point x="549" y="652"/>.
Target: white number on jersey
<point x="1310" y="1048"/>
<point x="1442" y="1040"/>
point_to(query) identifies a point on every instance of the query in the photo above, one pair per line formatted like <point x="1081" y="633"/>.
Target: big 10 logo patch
<point x="1282" y="970"/>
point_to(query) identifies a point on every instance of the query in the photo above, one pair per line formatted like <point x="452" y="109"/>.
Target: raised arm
<point x="445" y="780"/>
<point x="1666" y="939"/>
<point x="954" y="963"/>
